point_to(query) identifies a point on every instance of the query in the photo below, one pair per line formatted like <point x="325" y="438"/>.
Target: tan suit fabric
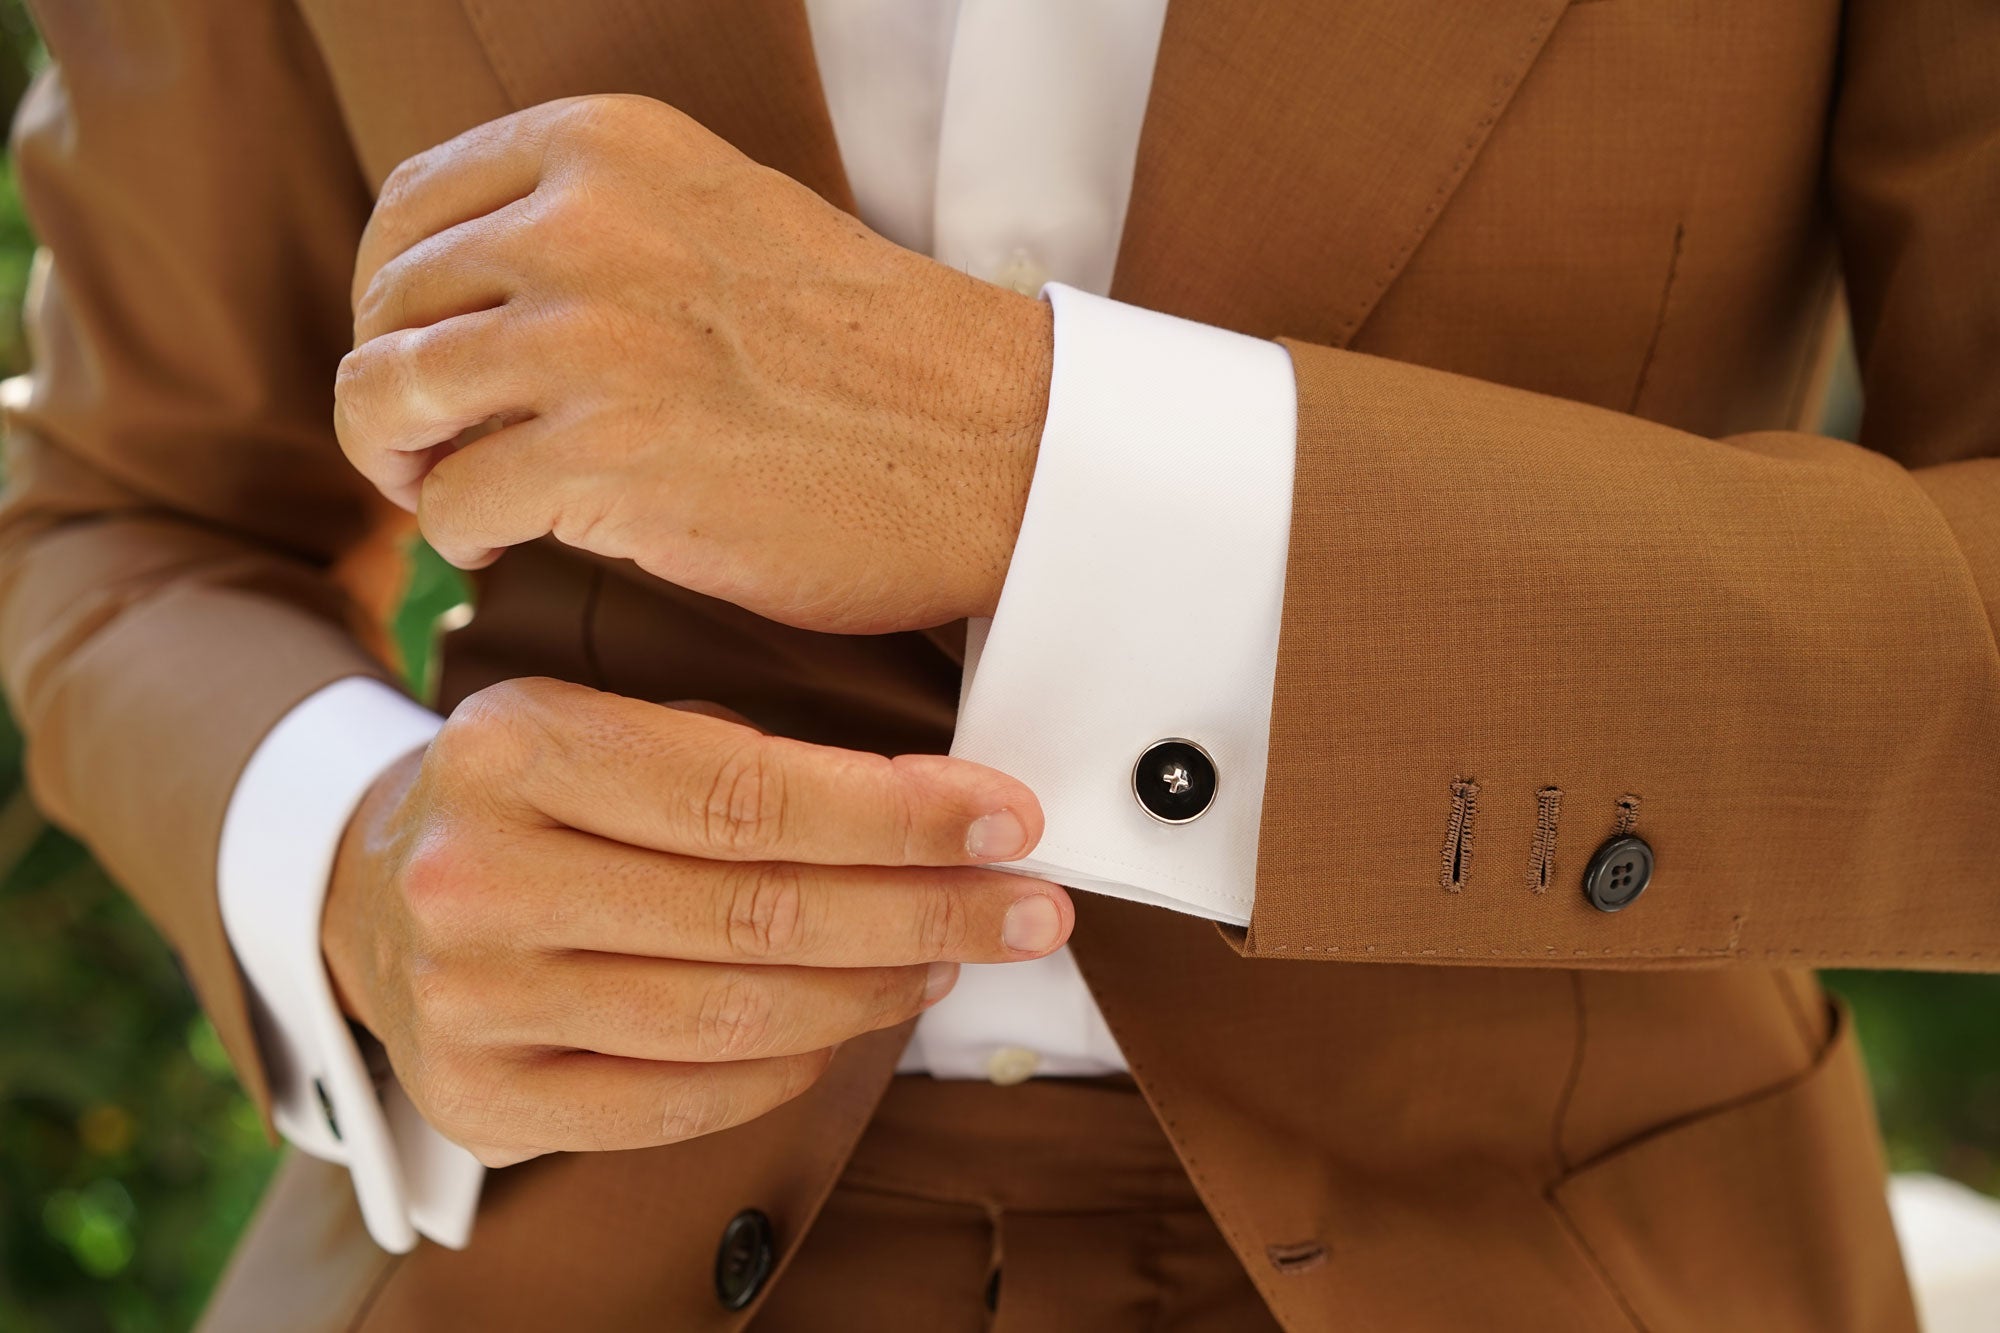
<point x="1557" y="280"/>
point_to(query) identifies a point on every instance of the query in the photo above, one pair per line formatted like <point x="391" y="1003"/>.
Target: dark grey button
<point x="1174" y="780"/>
<point x="744" y="1260"/>
<point x="1618" y="874"/>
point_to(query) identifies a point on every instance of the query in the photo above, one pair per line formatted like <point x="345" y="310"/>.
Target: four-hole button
<point x="1619" y="873"/>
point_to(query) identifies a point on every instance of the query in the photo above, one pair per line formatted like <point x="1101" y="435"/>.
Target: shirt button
<point x="1012" y="1064"/>
<point x="1174" y="780"/>
<point x="1022" y="274"/>
<point x="1618" y="874"/>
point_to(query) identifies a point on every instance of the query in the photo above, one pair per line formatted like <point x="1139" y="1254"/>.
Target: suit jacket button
<point x="744" y="1260"/>
<point x="1174" y="780"/>
<point x="1618" y="874"/>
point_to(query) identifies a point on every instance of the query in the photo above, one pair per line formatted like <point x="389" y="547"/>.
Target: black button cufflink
<point x="1618" y="874"/>
<point x="1174" y="780"/>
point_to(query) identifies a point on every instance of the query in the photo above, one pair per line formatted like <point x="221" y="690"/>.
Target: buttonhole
<point x="1628" y="815"/>
<point x="1456" y="866"/>
<point x="1298" y="1257"/>
<point x="1542" y="858"/>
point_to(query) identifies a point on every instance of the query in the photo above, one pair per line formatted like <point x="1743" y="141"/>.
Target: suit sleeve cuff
<point x="279" y="837"/>
<point x="1143" y="602"/>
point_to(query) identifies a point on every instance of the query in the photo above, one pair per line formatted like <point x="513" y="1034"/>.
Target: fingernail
<point x="1032" y="925"/>
<point x="999" y="836"/>
<point x="942" y="978"/>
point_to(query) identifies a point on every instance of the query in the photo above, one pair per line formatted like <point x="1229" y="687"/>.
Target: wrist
<point x="1021" y="352"/>
<point x="349" y="934"/>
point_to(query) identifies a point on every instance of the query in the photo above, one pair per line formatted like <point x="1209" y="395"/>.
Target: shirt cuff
<point x="279" y="837"/>
<point x="1143" y="602"/>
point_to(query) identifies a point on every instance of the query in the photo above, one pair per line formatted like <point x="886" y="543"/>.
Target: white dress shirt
<point x="1143" y="601"/>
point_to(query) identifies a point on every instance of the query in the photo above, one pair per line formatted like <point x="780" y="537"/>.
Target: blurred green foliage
<point x="129" y="1159"/>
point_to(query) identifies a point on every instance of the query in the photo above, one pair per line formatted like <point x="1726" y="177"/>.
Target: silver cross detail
<point x="1176" y="778"/>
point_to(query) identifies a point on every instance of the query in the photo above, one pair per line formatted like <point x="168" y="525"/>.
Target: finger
<point x="646" y="1009"/>
<point x="398" y="397"/>
<point x="579" y="892"/>
<point x="581" y="1101"/>
<point x="502" y="490"/>
<point x="485" y="168"/>
<point x="471" y="266"/>
<point x="655" y="777"/>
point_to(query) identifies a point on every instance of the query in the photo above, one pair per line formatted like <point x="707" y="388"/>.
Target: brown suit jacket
<point x="1559" y="276"/>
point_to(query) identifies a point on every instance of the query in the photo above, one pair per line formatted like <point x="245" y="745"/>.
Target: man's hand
<point x="695" y="363"/>
<point x="579" y="921"/>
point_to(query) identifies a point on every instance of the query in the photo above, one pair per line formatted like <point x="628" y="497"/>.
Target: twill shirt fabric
<point x="1556" y="282"/>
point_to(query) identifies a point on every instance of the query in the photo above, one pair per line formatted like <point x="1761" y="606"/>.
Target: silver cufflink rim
<point x="1198" y="748"/>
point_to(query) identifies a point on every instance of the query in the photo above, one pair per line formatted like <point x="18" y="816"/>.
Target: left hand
<point x="694" y="363"/>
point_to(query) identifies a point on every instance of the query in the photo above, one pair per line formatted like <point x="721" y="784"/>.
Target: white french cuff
<point x="1143" y="602"/>
<point x="279" y="838"/>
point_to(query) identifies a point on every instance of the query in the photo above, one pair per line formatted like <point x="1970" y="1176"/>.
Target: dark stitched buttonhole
<point x="1456" y="866"/>
<point x="1628" y="815"/>
<point x="1542" y="859"/>
<point x="1298" y="1257"/>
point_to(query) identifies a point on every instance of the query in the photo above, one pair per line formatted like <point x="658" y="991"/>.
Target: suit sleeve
<point x="1514" y="626"/>
<point x="184" y="554"/>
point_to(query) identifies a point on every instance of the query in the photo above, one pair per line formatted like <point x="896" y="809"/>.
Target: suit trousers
<point x="1051" y="1205"/>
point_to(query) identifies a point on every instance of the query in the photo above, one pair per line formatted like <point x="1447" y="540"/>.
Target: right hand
<point x="579" y="921"/>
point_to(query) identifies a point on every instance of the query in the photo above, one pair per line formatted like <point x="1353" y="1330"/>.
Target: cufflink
<point x="326" y="1108"/>
<point x="1174" y="780"/>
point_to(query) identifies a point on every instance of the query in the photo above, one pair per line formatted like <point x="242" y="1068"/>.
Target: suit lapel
<point x="1295" y="152"/>
<point x="744" y="69"/>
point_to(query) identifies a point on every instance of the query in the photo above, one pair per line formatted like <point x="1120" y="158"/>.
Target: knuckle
<point x="366" y="382"/>
<point x="390" y="383"/>
<point x="436" y="882"/>
<point x="456" y="1006"/>
<point x="425" y="356"/>
<point x="503" y="699"/>
<point x="694" y="1105"/>
<point x="598" y="118"/>
<point x="735" y="1020"/>
<point x="437" y="1010"/>
<point x="450" y="1097"/>
<point x="585" y="522"/>
<point x="744" y="810"/>
<point x="493" y="731"/>
<point x="370" y="312"/>
<point x="442" y="501"/>
<point x="382" y="298"/>
<point x="940" y="923"/>
<point x="350" y="377"/>
<point x="494" y="1158"/>
<point x="766" y="911"/>
<point x="561" y="208"/>
<point x="402" y="185"/>
<point x="900" y="996"/>
<point x="908" y="826"/>
<point x="801" y="1072"/>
